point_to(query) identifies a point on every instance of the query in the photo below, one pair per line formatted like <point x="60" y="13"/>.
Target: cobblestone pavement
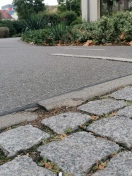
<point x="93" y="139"/>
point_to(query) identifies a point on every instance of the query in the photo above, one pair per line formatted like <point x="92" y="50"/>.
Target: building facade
<point x="92" y="10"/>
<point x="5" y="15"/>
<point x="10" y="9"/>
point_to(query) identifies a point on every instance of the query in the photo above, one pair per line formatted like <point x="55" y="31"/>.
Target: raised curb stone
<point x="126" y="112"/>
<point x="13" y="119"/>
<point x="21" y="138"/>
<point x="66" y="121"/>
<point x="77" y="153"/>
<point x="120" y="165"/>
<point x="59" y="101"/>
<point x="118" y="129"/>
<point x="100" y="107"/>
<point x="123" y="94"/>
<point x="23" y="166"/>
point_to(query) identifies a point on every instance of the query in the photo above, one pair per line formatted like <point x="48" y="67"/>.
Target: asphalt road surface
<point x="30" y="73"/>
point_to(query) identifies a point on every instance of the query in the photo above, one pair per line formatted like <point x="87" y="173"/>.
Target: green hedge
<point x="68" y="17"/>
<point x="8" y="24"/>
<point x="42" y="37"/>
<point x="109" y="29"/>
<point x="75" y="22"/>
<point x="15" y="27"/>
<point x="50" y="36"/>
<point x="4" y="32"/>
<point x="52" y="18"/>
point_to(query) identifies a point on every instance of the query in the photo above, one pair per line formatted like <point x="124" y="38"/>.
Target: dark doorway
<point x="112" y="6"/>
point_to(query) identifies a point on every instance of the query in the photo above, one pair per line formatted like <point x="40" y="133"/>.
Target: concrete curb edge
<point x="78" y="97"/>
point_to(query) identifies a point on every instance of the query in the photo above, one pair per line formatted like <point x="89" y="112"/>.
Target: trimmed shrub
<point x="15" y="26"/>
<point x="114" y="29"/>
<point x="56" y="34"/>
<point x="78" y="21"/>
<point x="52" y="18"/>
<point x="42" y="36"/>
<point x="18" y="26"/>
<point x="68" y="17"/>
<point x="8" y="24"/>
<point x="4" y="32"/>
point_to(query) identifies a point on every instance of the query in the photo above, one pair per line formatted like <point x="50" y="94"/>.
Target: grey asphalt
<point x="29" y="73"/>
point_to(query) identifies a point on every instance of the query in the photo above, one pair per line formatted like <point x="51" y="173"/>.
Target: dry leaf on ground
<point x="94" y="117"/>
<point x="89" y="43"/>
<point x="48" y="166"/>
<point x="113" y="114"/>
<point x="130" y="43"/>
<point x="122" y="36"/>
<point x="62" y="136"/>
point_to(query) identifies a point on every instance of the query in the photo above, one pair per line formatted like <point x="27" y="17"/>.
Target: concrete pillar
<point x="94" y="10"/>
<point x="85" y="10"/>
<point x="90" y="10"/>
